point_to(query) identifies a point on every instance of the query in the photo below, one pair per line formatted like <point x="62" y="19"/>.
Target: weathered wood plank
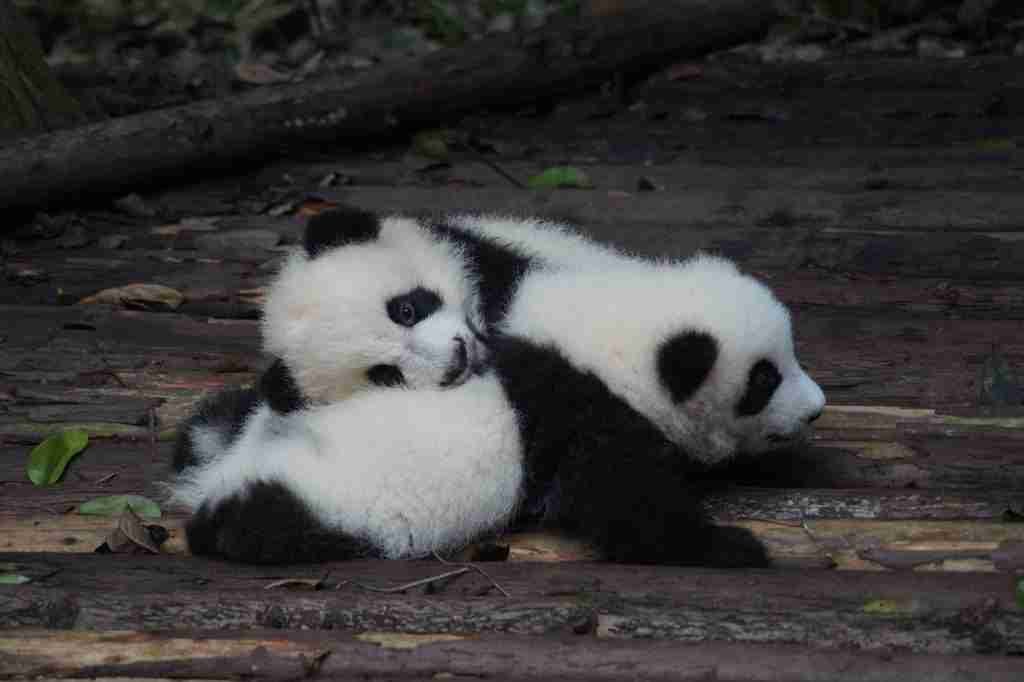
<point x="742" y="104"/>
<point x="614" y="216"/>
<point x="880" y="358"/>
<point x="30" y="531"/>
<point x="922" y="484"/>
<point x="231" y="294"/>
<point x="876" y="504"/>
<point x="920" y="612"/>
<point x="111" y="467"/>
<point x="268" y="654"/>
<point x="793" y="538"/>
<point x="839" y="173"/>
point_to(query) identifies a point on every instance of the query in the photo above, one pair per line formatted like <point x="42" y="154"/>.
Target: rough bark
<point x="917" y="612"/>
<point x="263" y="654"/>
<point x="31" y="99"/>
<point x="126" y="153"/>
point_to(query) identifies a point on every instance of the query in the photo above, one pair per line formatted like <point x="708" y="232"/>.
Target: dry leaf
<point x="202" y="224"/>
<point x="257" y="295"/>
<point x="138" y="296"/>
<point x="684" y="71"/>
<point x="312" y="207"/>
<point x="281" y="209"/>
<point x="312" y="64"/>
<point x="260" y="74"/>
<point x="305" y="583"/>
<point x="130" y="533"/>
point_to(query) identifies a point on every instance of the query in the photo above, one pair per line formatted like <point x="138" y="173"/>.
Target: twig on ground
<point x="404" y="586"/>
<point x="473" y="567"/>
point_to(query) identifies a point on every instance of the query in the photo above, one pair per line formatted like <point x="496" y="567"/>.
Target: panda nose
<point x="812" y="417"/>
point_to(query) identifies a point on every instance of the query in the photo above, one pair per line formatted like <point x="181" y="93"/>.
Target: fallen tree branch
<point x="127" y="153"/>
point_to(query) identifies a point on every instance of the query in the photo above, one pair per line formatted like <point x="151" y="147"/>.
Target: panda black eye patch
<point x="684" y="363"/>
<point x="762" y="381"/>
<point x="385" y="375"/>
<point x="409" y="309"/>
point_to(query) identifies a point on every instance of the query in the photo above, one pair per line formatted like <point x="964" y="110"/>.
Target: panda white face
<point x="372" y="302"/>
<point x="703" y="351"/>
<point x="738" y="380"/>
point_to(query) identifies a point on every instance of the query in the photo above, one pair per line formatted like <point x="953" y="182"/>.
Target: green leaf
<point x="560" y="176"/>
<point x="114" y="505"/>
<point x="14" y="579"/>
<point x="1020" y="592"/>
<point x="47" y="461"/>
<point x="431" y="144"/>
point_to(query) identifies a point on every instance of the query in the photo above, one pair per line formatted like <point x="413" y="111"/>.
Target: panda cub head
<point x="701" y="350"/>
<point x="731" y="365"/>
<point x="372" y="301"/>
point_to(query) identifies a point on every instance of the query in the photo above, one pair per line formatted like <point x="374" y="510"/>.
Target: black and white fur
<point x="374" y="324"/>
<point x="631" y="376"/>
<point x="625" y="376"/>
<point x="365" y="303"/>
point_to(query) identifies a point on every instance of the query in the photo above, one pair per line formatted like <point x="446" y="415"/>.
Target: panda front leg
<point x="637" y="505"/>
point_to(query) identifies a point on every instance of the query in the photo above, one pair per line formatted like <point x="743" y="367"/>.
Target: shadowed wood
<point x="919" y="612"/>
<point x="267" y="654"/>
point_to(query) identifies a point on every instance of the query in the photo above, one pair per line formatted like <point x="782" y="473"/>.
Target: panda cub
<point x="374" y="324"/>
<point x="630" y="376"/>
<point x="365" y="303"/>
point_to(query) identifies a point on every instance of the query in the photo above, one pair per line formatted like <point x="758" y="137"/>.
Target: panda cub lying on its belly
<point x="612" y="379"/>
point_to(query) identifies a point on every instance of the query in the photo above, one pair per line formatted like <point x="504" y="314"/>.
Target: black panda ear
<point x="339" y="227"/>
<point x="685" y="361"/>
<point x="278" y="388"/>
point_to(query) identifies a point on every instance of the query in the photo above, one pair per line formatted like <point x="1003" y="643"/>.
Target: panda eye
<point x="409" y="309"/>
<point x="763" y="380"/>
<point x="407" y="314"/>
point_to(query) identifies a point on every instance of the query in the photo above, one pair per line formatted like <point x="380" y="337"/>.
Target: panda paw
<point x="729" y="547"/>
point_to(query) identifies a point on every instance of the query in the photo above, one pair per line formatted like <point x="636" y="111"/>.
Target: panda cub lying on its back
<point x="374" y="323"/>
<point x="364" y="304"/>
<point x="613" y="380"/>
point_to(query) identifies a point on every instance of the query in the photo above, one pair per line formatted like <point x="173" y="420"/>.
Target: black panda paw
<point x="729" y="547"/>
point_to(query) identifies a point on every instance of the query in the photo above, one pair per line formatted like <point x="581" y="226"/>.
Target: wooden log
<point x="118" y="155"/>
<point x="267" y="654"/>
<point x="915" y="612"/>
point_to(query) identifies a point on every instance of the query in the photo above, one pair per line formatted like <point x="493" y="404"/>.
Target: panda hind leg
<point x="267" y="524"/>
<point x="222" y="416"/>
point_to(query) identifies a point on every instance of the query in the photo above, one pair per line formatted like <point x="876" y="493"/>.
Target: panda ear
<point x="339" y="227"/>
<point x="685" y="361"/>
